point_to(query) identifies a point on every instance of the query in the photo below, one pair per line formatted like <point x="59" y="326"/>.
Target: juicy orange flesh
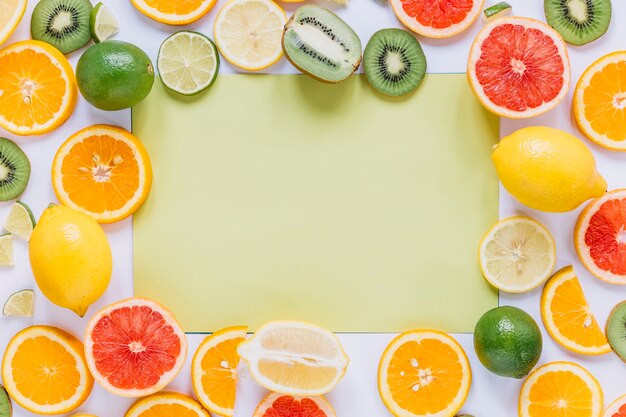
<point x="134" y="346"/>
<point x="44" y="371"/>
<point x="33" y="88"/>
<point x="168" y="410"/>
<point x="571" y="315"/>
<point x="100" y="173"/>
<point x="219" y="379"/>
<point x="297" y="375"/>
<point x="288" y="406"/>
<point x="561" y="394"/>
<point x="606" y="237"/>
<point x="520" y="68"/>
<point x="424" y="377"/>
<point x="438" y="14"/>
<point x="605" y="101"/>
<point x="621" y="412"/>
<point x="178" y="7"/>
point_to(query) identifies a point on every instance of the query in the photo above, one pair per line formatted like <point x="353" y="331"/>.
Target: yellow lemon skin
<point x="71" y="258"/>
<point x="547" y="169"/>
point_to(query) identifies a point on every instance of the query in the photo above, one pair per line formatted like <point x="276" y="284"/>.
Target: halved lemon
<point x="174" y="12"/>
<point x="166" y="404"/>
<point x="11" y="13"/>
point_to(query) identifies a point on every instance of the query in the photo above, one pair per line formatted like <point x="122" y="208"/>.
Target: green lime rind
<point x="6" y="409"/>
<point x="103" y="24"/>
<point x="20" y="304"/>
<point x="497" y="10"/>
<point x="33" y="221"/>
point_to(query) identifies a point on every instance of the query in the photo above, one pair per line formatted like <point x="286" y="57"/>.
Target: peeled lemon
<point x="71" y="258"/>
<point x="547" y="169"/>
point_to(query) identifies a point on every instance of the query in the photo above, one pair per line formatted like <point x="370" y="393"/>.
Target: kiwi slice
<point x="320" y="44"/>
<point x="5" y="403"/>
<point x="63" y="24"/>
<point x="14" y="170"/>
<point x="579" y="21"/>
<point x="616" y="330"/>
<point x="394" y="62"/>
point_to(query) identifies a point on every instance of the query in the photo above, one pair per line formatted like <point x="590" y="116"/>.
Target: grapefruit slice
<point x="600" y="237"/>
<point x="134" y="347"/>
<point x="617" y="408"/>
<point x="437" y="18"/>
<point x="518" y="67"/>
<point x="278" y="405"/>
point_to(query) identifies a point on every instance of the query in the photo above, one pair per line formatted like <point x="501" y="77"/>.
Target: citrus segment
<point x="617" y="408"/>
<point x="174" y="12"/>
<point x="134" y="347"/>
<point x="6" y="250"/>
<point x="167" y="404"/>
<point x="518" y="67"/>
<point x="560" y="389"/>
<point x="214" y="370"/>
<point x="20" y="304"/>
<point x="103" y="171"/>
<point x="11" y="13"/>
<point x="38" y="88"/>
<point x="567" y="318"/>
<point x="437" y="18"/>
<point x="424" y="373"/>
<point x="599" y="104"/>
<point x="44" y="370"/>
<point x="278" y="405"/>
<point x="600" y="237"/>
<point x="20" y="221"/>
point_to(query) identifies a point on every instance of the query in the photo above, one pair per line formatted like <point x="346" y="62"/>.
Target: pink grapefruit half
<point x="437" y="18"/>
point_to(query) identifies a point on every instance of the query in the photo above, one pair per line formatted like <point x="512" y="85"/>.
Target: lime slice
<point x="5" y="403"/>
<point x="21" y="221"/>
<point x="497" y="10"/>
<point x="6" y="249"/>
<point x="188" y="62"/>
<point x="20" y="304"/>
<point x="103" y="23"/>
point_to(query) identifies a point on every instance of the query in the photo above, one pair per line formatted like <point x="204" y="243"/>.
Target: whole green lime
<point x="114" y="75"/>
<point x="508" y="341"/>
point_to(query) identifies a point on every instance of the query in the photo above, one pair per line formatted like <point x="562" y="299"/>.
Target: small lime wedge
<point x="6" y="249"/>
<point x="20" y="221"/>
<point x="188" y="63"/>
<point x="5" y="403"/>
<point x="497" y="10"/>
<point x="103" y="23"/>
<point x="20" y="304"/>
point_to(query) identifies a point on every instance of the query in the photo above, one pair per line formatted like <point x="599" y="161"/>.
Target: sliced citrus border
<point x="165" y="397"/>
<point x="8" y="30"/>
<point x="269" y="399"/>
<point x="173" y="19"/>
<point x="615" y="406"/>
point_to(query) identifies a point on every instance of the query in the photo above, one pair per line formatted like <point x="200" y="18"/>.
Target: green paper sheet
<point x="279" y="197"/>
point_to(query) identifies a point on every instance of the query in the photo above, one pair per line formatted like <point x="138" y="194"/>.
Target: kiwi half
<point x="14" y="170"/>
<point x="320" y="44"/>
<point x="616" y="330"/>
<point x="63" y="24"/>
<point x="394" y="62"/>
<point x="5" y="403"/>
<point x="579" y="21"/>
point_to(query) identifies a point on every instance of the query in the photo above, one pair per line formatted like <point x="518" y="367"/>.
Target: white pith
<point x="431" y="32"/>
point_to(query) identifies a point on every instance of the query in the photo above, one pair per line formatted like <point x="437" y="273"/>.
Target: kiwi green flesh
<point x="394" y="62"/>
<point x="63" y="24"/>
<point x="321" y="44"/>
<point x="5" y="403"/>
<point x="616" y="330"/>
<point x="14" y="170"/>
<point x="579" y="21"/>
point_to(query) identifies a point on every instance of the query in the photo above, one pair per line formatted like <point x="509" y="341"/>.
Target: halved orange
<point x="103" y="171"/>
<point x="214" y="370"/>
<point x="437" y="18"/>
<point x="174" y="12"/>
<point x="599" y="104"/>
<point x="567" y="317"/>
<point x="560" y="389"/>
<point x="424" y="373"/>
<point x="279" y="405"/>
<point x="11" y="13"/>
<point x="44" y="370"/>
<point x="37" y="87"/>
<point x="166" y="404"/>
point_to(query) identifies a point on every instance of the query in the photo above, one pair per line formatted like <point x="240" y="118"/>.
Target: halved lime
<point x="21" y="221"/>
<point x="20" y="304"/>
<point x="188" y="62"/>
<point x="103" y="23"/>
<point x="497" y="10"/>
<point x="6" y="249"/>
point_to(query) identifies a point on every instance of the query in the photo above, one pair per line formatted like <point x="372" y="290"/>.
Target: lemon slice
<point x="20" y="304"/>
<point x="517" y="254"/>
<point x="295" y="358"/>
<point x="20" y="221"/>
<point x="6" y="249"/>
<point x="11" y="13"/>
<point x="249" y="33"/>
<point x="188" y="62"/>
<point x="103" y="23"/>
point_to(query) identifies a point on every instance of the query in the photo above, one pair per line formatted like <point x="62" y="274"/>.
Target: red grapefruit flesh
<point x="519" y="67"/>
<point x="134" y="347"/>
<point x="617" y="408"/>
<point x="600" y="237"/>
<point x="437" y="18"/>
<point x="278" y="405"/>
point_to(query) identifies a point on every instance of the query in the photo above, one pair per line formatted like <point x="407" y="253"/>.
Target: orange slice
<point x="103" y="171"/>
<point x="599" y="104"/>
<point x="37" y="86"/>
<point x="566" y="315"/>
<point x="560" y="389"/>
<point x="437" y="18"/>
<point x="278" y="405"/>
<point x="214" y="370"/>
<point x="424" y="373"/>
<point x="11" y="13"/>
<point x="44" y="370"/>
<point x="174" y="12"/>
<point x="167" y="404"/>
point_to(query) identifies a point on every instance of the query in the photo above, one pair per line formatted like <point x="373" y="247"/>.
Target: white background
<point x="356" y="395"/>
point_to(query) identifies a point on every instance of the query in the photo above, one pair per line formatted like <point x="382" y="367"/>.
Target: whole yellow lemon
<point x="547" y="169"/>
<point x="70" y="257"/>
